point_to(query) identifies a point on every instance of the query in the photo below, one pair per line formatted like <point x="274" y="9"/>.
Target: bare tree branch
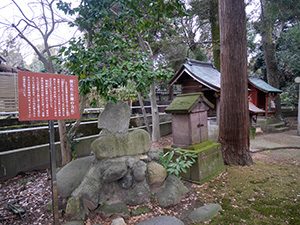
<point x="44" y="16"/>
<point x="28" y="24"/>
<point x="21" y="11"/>
<point x="52" y="18"/>
<point x="41" y="57"/>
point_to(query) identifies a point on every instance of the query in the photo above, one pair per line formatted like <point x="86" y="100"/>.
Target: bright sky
<point x="9" y="14"/>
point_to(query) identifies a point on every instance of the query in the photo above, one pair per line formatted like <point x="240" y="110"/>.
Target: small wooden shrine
<point x="261" y="94"/>
<point x="189" y="118"/>
<point x="190" y="133"/>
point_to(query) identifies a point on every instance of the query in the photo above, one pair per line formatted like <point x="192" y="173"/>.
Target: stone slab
<point x="115" y="117"/>
<point x="204" y="213"/>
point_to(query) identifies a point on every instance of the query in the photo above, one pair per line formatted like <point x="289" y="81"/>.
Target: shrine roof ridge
<point x="262" y="85"/>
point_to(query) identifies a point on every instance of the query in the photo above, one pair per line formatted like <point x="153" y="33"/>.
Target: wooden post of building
<point x="267" y="105"/>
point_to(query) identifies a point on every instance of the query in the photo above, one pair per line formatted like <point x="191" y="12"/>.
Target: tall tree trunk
<point x="65" y="147"/>
<point x="269" y="48"/>
<point x="152" y="95"/>
<point x="154" y="113"/>
<point x="234" y="114"/>
<point x="215" y="31"/>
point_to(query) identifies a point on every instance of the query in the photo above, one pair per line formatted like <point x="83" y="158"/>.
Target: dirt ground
<point x="32" y="192"/>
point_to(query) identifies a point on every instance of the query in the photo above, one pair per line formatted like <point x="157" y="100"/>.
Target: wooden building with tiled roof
<point x="196" y="76"/>
<point x="261" y="94"/>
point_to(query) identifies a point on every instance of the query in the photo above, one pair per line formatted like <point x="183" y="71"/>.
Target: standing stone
<point x="138" y="193"/>
<point x="115" y="117"/>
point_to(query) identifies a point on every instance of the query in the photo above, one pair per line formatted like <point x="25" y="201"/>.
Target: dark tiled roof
<point x="204" y="72"/>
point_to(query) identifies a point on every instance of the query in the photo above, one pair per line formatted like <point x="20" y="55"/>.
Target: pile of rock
<point x="122" y="171"/>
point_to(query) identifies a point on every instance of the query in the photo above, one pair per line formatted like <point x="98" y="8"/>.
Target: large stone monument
<point x="190" y="133"/>
<point x="122" y="171"/>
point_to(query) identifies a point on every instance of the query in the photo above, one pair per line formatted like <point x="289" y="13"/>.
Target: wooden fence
<point x="8" y="92"/>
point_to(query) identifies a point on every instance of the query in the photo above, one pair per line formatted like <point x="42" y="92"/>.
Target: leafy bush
<point x="177" y="161"/>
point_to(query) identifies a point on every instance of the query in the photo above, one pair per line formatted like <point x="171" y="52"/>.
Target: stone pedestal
<point x="209" y="163"/>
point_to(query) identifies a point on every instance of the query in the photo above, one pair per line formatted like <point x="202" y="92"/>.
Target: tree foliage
<point x="119" y="45"/>
<point x="114" y="55"/>
<point x="282" y="18"/>
<point x="11" y="52"/>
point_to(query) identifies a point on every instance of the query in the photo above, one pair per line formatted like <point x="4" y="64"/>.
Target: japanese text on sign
<point x="47" y="96"/>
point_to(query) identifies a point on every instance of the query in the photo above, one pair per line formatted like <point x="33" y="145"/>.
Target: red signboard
<point x="44" y="96"/>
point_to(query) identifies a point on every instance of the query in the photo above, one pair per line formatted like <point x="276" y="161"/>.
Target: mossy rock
<point x="116" y="209"/>
<point x="137" y="142"/>
<point x="74" y="209"/>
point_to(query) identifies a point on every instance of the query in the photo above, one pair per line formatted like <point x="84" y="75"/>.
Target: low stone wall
<point x="27" y="137"/>
<point x="290" y="113"/>
<point x="38" y="157"/>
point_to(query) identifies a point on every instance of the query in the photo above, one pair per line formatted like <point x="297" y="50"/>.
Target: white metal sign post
<point x="48" y="97"/>
<point x="297" y="80"/>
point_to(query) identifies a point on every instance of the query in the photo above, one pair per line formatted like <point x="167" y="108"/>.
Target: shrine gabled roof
<point x="185" y="103"/>
<point x="206" y="74"/>
<point x="203" y="72"/>
<point x="262" y="85"/>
